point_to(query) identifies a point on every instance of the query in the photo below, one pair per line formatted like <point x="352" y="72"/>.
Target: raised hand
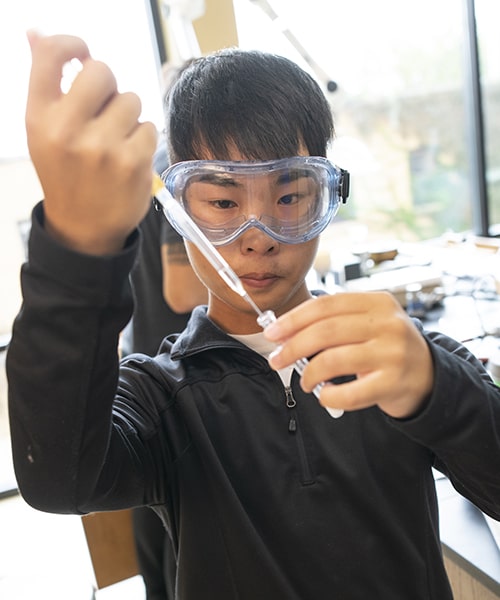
<point x="92" y="155"/>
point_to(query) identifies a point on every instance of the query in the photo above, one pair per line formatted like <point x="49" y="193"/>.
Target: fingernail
<point x="273" y="331"/>
<point x="33" y="36"/>
<point x="274" y="357"/>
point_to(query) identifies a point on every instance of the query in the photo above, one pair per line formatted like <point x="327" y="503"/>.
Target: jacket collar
<point x="201" y="334"/>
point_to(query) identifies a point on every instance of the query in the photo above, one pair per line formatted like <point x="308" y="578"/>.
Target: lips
<point x="259" y="280"/>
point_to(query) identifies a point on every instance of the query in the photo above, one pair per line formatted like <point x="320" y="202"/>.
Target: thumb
<point x="33" y="36"/>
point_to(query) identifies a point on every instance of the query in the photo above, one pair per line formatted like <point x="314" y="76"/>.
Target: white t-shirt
<point x="258" y="343"/>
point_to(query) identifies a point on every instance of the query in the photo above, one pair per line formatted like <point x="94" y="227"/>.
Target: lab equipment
<point x="291" y="199"/>
<point x="175" y="212"/>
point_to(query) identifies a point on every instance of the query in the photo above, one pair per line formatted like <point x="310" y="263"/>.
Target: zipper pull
<point x="290" y="403"/>
<point x="290" y="400"/>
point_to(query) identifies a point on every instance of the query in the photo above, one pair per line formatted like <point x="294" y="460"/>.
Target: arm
<point x="62" y="369"/>
<point x="460" y="423"/>
<point x="94" y="161"/>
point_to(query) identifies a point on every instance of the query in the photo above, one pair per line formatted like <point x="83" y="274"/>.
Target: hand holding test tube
<point x="179" y="218"/>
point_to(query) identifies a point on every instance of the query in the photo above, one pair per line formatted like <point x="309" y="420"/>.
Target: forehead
<point x="234" y="154"/>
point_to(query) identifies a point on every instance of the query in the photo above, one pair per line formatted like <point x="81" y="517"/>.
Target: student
<point x="265" y="495"/>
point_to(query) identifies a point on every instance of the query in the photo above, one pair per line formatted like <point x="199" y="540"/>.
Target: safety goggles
<point x="292" y="199"/>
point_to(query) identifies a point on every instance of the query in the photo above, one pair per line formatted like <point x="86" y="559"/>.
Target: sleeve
<point x="461" y="423"/>
<point x="62" y="369"/>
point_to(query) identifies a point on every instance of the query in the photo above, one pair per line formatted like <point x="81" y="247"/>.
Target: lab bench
<point x="471" y="553"/>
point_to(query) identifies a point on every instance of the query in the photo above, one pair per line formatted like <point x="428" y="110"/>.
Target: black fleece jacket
<point x="263" y="501"/>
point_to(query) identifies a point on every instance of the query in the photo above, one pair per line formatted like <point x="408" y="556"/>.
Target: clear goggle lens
<point x="292" y="199"/>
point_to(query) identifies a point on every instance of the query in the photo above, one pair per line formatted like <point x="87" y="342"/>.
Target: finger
<point x="393" y="344"/>
<point x="49" y="55"/>
<point x="399" y="401"/>
<point x="119" y="118"/>
<point x="327" y="333"/>
<point x="140" y="147"/>
<point x="396" y="377"/>
<point x="92" y="89"/>
<point x="312" y="310"/>
<point x="353" y="395"/>
<point x="339" y="362"/>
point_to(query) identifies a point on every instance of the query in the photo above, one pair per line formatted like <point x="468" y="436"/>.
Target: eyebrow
<point x="294" y="175"/>
<point x="219" y="179"/>
<point x="225" y="180"/>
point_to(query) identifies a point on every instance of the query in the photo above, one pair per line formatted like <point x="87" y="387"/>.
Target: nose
<point x="255" y="240"/>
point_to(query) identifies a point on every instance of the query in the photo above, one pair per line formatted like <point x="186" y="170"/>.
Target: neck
<point x="238" y="317"/>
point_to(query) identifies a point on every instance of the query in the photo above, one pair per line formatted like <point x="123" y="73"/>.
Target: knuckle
<point x="58" y="139"/>
<point x="100" y="69"/>
<point x="133" y="102"/>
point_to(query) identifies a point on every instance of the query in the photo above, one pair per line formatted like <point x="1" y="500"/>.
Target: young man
<point x="263" y="493"/>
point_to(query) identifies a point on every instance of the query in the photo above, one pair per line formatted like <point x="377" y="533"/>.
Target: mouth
<point x="259" y="280"/>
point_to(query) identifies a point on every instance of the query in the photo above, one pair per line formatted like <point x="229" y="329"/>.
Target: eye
<point x="223" y="204"/>
<point x="288" y="199"/>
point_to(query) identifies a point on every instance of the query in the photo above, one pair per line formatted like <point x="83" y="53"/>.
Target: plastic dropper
<point x="188" y="228"/>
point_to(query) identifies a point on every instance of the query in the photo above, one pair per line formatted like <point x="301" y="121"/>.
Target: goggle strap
<point x="344" y="185"/>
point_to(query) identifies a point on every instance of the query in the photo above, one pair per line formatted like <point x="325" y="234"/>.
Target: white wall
<point x="118" y="33"/>
<point x="19" y="192"/>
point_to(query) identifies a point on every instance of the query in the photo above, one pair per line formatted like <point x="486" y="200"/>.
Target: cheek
<point x="201" y="267"/>
<point x="305" y="254"/>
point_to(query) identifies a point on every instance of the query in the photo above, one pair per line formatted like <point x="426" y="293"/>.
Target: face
<point x="273" y="273"/>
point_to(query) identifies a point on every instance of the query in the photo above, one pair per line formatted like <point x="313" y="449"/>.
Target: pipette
<point x="175" y="213"/>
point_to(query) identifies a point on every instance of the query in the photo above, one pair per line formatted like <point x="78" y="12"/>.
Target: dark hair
<point x="261" y="104"/>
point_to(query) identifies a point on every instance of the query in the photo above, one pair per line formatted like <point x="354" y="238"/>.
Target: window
<point x="122" y="38"/>
<point x="400" y="107"/>
<point x="487" y="14"/>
